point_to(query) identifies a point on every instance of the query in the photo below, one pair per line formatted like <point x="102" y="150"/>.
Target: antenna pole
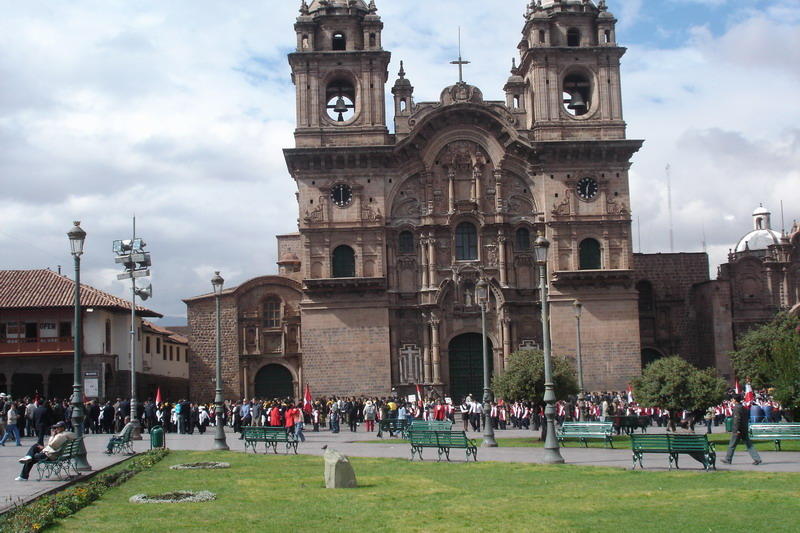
<point x="783" y="221"/>
<point x="639" y="227"/>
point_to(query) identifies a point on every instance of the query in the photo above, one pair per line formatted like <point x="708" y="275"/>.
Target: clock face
<point x="588" y="188"/>
<point x="342" y="195"/>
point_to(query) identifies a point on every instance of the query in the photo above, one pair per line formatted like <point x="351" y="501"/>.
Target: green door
<point x="274" y="382"/>
<point x="466" y="366"/>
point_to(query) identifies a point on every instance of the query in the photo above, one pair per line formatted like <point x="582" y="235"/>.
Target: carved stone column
<point x="437" y="363"/>
<point x="426" y="350"/>
<point x="423" y="261"/>
<point x="432" y="261"/>
<point x="451" y="190"/>
<point x="506" y="339"/>
<point x="498" y="190"/>
<point x="501" y="254"/>
<point x="476" y="184"/>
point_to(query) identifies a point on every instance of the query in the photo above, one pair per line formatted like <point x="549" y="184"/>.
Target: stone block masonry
<point x="202" y="339"/>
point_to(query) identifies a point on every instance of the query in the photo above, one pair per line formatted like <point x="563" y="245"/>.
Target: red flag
<point x="158" y="396"/>
<point x="736" y="386"/>
<point x="307" y="400"/>
<point x="419" y="396"/>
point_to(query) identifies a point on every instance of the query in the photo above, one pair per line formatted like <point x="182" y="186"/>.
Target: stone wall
<point x="712" y="304"/>
<point x="202" y="339"/>
<point x="346" y="349"/>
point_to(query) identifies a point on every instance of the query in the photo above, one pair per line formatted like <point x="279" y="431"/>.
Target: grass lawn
<point x="286" y="493"/>
<point x="721" y="441"/>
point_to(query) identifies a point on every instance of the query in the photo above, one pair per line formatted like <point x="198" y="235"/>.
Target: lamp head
<point x="482" y="290"/>
<point x="578" y="308"/>
<point x="540" y="249"/>
<point x="76" y="238"/>
<point x="217" y="282"/>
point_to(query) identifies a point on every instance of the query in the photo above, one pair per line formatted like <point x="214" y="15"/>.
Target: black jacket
<point x="741" y="419"/>
<point x="42" y="416"/>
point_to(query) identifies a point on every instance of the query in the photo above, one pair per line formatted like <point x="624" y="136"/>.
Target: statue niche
<point x="408" y="203"/>
<point x="462" y="171"/>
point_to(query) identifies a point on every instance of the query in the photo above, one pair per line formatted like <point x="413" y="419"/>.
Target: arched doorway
<point x="649" y="355"/>
<point x="60" y="386"/>
<point x="466" y="366"/>
<point x="274" y="381"/>
<point x="26" y="385"/>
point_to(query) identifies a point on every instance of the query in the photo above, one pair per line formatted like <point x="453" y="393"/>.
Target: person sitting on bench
<point x="119" y="437"/>
<point x="59" y="437"/>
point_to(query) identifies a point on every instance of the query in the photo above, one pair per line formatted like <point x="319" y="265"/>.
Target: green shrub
<point x="42" y="512"/>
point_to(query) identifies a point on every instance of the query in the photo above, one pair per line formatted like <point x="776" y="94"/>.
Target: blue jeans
<point x="298" y="432"/>
<point x="12" y="430"/>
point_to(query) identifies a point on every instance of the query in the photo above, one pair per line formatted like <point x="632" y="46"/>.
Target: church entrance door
<point x="274" y="381"/>
<point x="466" y="366"/>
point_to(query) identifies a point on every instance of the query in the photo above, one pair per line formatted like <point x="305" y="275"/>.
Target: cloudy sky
<point x="178" y="112"/>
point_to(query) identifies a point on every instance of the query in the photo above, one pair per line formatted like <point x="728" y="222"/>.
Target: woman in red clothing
<point x="275" y="416"/>
<point x="289" y="415"/>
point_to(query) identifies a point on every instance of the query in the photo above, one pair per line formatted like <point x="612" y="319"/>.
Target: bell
<point x="577" y="103"/>
<point x="340" y="107"/>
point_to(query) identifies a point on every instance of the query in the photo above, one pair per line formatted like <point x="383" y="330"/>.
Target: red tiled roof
<point x="180" y="339"/>
<point x="30" y="289"/>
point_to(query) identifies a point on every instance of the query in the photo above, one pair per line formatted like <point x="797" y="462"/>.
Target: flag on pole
<point x="630" y="393"/>
<point x="158" y="396"/>
<point x="307" y="400"/>
<point x="736" y="387"/>
<point x="419" y="397"/>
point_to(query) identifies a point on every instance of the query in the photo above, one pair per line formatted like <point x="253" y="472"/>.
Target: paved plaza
<point x="351" y="444"/>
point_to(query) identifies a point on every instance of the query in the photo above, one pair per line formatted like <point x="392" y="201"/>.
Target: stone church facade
<point x="376" y="290"/>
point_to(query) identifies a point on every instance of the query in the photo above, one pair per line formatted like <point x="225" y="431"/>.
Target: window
<point x="305" y="42"/>
<point x="590" y="255"/>
<point x="65" y="329"/>
<point x="170" y="353"/>
<point x="573" y="37"/>
<point x="523" y="240"/>
<point x="607" y="36"/>
<point x="3" y="334"/>
<point x="339" y="41"/>
<point x="158" y="344"/>
<point x="577" y="94"/>
<point x="542" y="38"/>
<point x="344" y="262"/>
<point x="340" y="96"/>
<point x="177" y="354"/>
<point x="466" y="242"/>
<point x="272" y="313"/>
<point x="646" y="298"/>
<point x="373" y="40"/>
<point x="31" y="330"/>
<point x="147" y="344"/>
<point x="405" y="243"/>
<point x="108" y="336"/>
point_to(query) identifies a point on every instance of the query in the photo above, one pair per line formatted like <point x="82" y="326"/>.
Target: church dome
<point x="316" y="5"/>
<point x="762" y="236"/>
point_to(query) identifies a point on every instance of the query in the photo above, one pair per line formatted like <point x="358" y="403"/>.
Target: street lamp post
<point x="482" y="289"/>
<point x="76" y="239"/>
<point x="552" y="455"/>
<point x="219" y="432"/>
<point x="581" y="393"/>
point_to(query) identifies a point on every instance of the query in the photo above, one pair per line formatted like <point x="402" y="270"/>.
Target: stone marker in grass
<point x="339" y="472"/>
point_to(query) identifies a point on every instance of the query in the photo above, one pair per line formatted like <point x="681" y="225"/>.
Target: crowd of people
<point x="32" y="417"/>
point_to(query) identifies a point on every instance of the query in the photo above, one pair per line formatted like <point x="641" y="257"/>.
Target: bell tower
<point x="571" y="60"/>
<point x="339" y="71"/>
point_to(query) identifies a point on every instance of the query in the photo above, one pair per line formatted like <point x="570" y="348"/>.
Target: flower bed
<point x="210" y="465"/>
<point x="178" y="496"/>
<point x="42" y="512"/>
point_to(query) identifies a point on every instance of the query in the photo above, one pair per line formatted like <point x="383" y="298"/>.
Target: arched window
<point x="339" y="41"/>
<point x="646" y="297"/>
<point x="344" y="262"/>
<point x="108" y="336"/>
<point x="522" y="243"/>
<point x="373" y="40"/>
<point x="573" y="37"/>
<point x="590" y="255"/>
<point x="466" y="242"/>
<point x="405" y="243"/>
<point x="341" y="100"/>
<point x="271" y="312"/>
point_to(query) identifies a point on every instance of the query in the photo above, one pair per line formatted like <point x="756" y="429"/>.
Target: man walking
<point x="740" y="432"/>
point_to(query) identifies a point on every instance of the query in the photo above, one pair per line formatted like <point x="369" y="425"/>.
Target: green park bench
<point x="63" y="463"/>
<point x="697" y="446"/>
<point x="583" y="431"/>
<point x="443" y="441"/>
<point x="775" y="432"/>
<point x="392" y="426"/>
<point x="431" y="425"/>
<point x="270" y="436"/>
<point x="123" y="443"/>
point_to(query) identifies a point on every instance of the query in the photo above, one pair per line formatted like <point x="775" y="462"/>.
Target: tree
<point x="523" y="379"/>
<point x="673" y="383"/>
<point x="770" y="356"/>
